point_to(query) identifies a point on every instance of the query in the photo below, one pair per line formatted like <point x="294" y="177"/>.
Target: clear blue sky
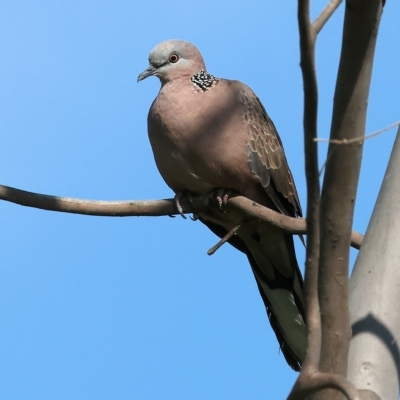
<point x="133" y="308"/>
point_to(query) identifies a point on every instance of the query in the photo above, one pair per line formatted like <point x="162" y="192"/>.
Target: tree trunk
<point x="374" y="358"/>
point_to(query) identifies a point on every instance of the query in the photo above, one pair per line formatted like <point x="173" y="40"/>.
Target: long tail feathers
<point x="273" y="261"/>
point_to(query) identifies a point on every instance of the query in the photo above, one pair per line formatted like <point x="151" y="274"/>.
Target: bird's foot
<point x="201" y="201"/>
<point x="222" y="196"/>
<point x="197" y="201"/>
<point x="178" y="206"/>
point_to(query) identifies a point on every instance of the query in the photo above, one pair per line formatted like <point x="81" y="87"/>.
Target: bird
<point x="213" y="135"/>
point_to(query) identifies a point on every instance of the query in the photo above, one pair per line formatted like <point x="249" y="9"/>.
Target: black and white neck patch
<point x="203" y="81"/>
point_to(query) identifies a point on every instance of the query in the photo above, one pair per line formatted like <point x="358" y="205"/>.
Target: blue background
<point x="133" y="308"/>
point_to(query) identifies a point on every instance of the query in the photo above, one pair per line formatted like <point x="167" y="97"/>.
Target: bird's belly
<point x="177" y="171"/>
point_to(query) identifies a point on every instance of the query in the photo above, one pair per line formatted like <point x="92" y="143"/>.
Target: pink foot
<point x="222" y="196"/>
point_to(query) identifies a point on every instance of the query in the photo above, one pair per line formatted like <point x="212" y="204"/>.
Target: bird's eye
<point x="173" y="57"/>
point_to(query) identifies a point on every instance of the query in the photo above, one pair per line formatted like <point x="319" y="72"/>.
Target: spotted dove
<point x="209" y="134"/>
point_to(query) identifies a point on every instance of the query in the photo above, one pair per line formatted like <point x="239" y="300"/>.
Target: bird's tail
<point x="283" y="301"/>
<point x="272" y="258"/>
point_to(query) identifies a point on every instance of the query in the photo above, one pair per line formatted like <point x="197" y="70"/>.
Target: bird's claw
<point x="195" y="217"/>
<point x="195" y="202"/>
<point x="178" y="206"/>
<point x="222" y="197"/>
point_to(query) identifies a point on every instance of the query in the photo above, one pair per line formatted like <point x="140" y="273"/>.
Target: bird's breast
<point x="198" y="145"/>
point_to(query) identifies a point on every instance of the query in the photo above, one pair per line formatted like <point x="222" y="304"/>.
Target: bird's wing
<point x="267" y="157"/>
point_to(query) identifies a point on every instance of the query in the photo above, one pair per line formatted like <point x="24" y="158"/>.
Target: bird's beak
<point x="150" y="70"/>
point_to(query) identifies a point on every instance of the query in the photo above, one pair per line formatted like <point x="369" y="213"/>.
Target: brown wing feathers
<point x="267" y="157"/>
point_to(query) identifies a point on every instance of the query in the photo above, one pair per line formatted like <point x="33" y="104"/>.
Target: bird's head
<point x="173" y="59"/>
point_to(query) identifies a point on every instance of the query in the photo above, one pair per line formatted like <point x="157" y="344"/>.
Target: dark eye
<point x="173" y="57"/>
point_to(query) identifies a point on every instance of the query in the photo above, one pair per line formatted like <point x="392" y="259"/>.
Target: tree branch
<point x="307" y="62"/>
<point x="231" y="233"/>
<point x="357" y="139"/>
<point x="340" y="182"/>
<point x="326" y="13"/>
<point x="145" y="208"/>
<point x="311" y="383"/>
<point x="153" y="208"/>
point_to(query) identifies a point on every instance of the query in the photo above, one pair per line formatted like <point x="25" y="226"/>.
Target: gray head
<point x="173" y="59"/>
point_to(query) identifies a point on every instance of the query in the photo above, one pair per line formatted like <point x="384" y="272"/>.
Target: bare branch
<point x="356" y="239"/>
<point x="354" y="140"/>
<point x="223" y="240"/>
<point x="326" y="13"/>
<point x="255" y="211"/>
<point x="153" y="208"/>
<point x="313" y="382"/>
<point x="307" y="62"/>
<point x="340" y="182"/>
<point x="145" y="208"/>
<point x="359" y="138"/>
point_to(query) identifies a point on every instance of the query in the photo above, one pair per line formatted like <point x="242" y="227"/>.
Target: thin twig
<point x="223" y="240"/>
<point x="359" y="138"/>
<point x="326" y="160"/>
<point x="326" y="13"/>
<point x="347" y="141"/>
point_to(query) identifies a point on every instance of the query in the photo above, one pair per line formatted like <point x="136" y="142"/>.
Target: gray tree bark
<point x="374" y="358"/>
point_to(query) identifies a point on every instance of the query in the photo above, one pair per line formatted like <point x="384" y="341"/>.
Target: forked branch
<point x="326" y="13"/>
